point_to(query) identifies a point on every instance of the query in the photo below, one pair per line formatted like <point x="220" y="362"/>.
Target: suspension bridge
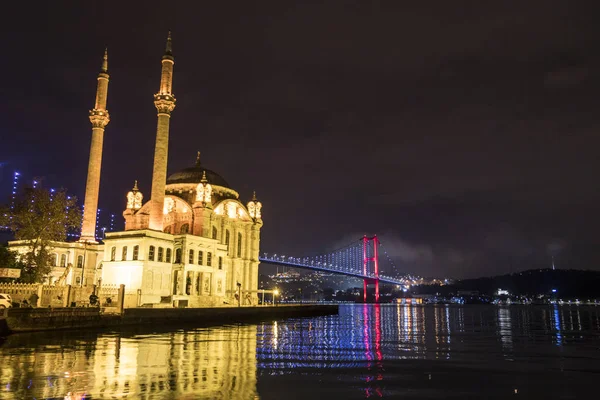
<point x="359" y="259"/>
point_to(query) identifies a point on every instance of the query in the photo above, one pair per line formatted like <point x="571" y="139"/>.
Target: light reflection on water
<point x="367" y="351"/>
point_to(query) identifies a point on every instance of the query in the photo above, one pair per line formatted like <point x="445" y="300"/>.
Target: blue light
<point x="553" y="290"/>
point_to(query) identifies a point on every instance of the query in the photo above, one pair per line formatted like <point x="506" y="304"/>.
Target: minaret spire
<point x="165" y="104"/>
<point x="99" y="118"/>
<point x="105" y="61"/>
<point x="169" y="46"/>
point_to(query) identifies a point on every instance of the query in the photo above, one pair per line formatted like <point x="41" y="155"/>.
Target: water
<point x="387" y="351"/>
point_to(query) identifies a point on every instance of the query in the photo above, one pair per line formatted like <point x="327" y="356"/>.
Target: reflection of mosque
<point x="215" y="363"/>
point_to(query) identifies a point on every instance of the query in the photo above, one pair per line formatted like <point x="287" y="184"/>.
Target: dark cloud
<point x="466" y="132"/>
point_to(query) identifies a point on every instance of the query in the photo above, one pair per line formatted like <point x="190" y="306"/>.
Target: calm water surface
<point x="368" y="351"/>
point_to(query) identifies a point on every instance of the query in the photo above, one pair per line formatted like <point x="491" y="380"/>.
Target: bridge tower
<point x="371" y="257"/>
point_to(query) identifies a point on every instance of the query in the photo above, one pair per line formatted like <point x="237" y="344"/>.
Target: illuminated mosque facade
<point x="193" y="243"/>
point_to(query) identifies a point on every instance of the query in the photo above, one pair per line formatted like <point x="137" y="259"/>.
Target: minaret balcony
<point x="99" y="118"/>
<point x="165" y="103"/>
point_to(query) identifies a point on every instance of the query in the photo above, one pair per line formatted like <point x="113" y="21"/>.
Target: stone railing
<point x="20" y="291"/>
<point x="110" y="298"/>
<point x="54" y="296"/>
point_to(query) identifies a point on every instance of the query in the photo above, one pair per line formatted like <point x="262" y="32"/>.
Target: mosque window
<point x="136" y="252"/>
<point x="185" y="228"/>
<point x="220" y="262"/>
<point x="209" y="259"/>
<point x="151" y="253"/>
<point x="124" y="253"/>
<point x="113" y="253"/>
<point x="177" y="256"/>
<point x="227" y="238"/>
<point x="169" y="251"/>
<point x="239" y="245"/>
<point x="63" y="260"/>
<point x="53" y="259"/>
<point x="200" y="257"/>
<point x="79" y="261"/>
<point x="214" y="232"/>
<point x="161" y="253"/>
<point x="167" y="229"/>
<point x="191" y="257"/>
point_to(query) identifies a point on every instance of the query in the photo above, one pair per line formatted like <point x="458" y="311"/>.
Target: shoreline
<point x="19" y="320"/>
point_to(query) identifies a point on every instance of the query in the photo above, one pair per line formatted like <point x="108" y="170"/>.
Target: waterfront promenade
<point x="40" y="319"/>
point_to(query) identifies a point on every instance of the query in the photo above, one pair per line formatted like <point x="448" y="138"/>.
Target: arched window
<point x="227" y="238"/>
<point x="161" y="254"/>
<point x="185" y="228"/>
<point x="220" y="262"/>
<point x="63" y="260"/>
<point x="136" y="252"/>
<point x="79" y="261"/>
<point x="151" y="253"/>
<point x="169" y="252"/>
<point x="167" y="229"/>
<point x="200" y="257"/>
<point x="214" y="232"/>
<point x="113" y="253"/>
<point x="53" y="259"/>
<point x="191" y="257"/>
<point x="209" y="259"/>
<point x="177" y="256"/>
<point x="124" y="253"/>
<point x="239" y="243"/>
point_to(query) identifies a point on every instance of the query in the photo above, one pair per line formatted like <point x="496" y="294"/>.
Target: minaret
<point x="165" y="103"/>
<point x="99" y="118"/>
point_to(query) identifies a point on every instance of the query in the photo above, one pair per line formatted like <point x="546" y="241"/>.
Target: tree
<point x="41" y="217"/>
<point x="8" y="259"/>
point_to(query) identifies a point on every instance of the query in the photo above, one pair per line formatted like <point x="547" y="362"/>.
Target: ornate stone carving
<point x="164" y="103"/>
<point x="258" y="207"/>
<point x="254" y="207"/>
<point x="204" y="190"/>
<point x="169" y="205"/>
<point x="99" y="118"/>
<point x="134" y="198"/>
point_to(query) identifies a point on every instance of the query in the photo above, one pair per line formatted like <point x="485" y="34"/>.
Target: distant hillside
<point x="568" y="283"/>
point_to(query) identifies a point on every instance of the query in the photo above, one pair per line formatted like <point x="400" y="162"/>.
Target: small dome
<point x="194" y="175"/>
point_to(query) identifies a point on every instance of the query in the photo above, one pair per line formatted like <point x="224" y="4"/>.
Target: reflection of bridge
<point x="359" y="259"/>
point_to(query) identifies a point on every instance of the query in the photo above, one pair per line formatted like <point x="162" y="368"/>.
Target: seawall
<point x="41" y="319"/>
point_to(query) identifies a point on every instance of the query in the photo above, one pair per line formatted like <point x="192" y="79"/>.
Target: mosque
<point x="193" y="243"/>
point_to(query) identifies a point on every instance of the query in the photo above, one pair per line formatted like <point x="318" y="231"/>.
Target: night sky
<point x="465" y="134"/>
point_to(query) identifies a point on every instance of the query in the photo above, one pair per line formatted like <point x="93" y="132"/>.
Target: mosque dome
<point x="194" y="175"/>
